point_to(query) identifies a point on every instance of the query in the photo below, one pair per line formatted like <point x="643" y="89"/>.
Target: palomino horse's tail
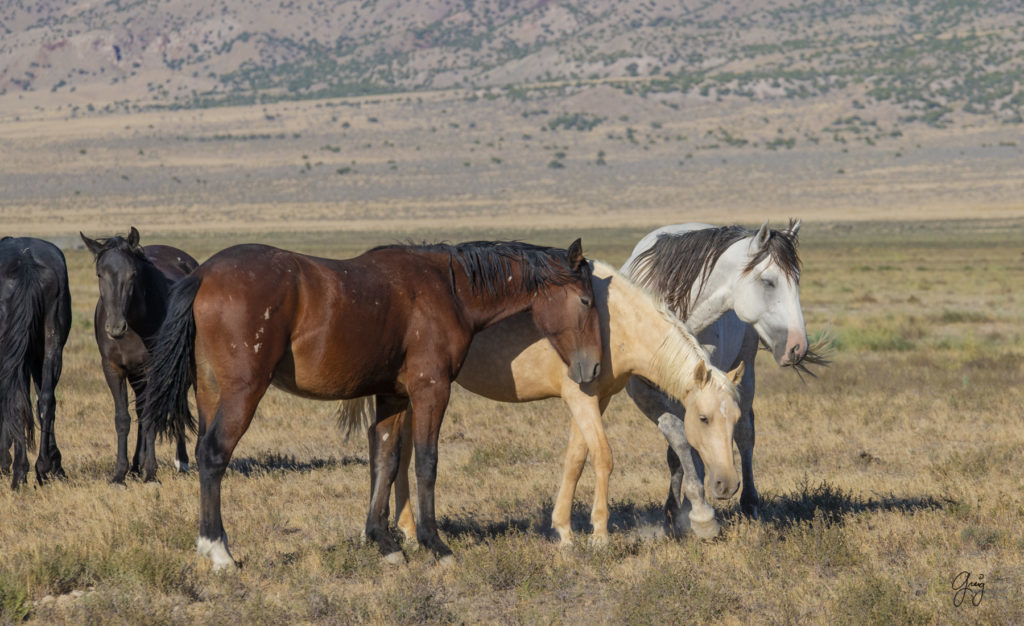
<point x="25" y="311"/>
<point x="172" y="365"/>
<point x="356" y="415"/>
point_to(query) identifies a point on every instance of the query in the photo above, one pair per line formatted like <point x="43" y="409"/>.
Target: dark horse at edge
<point x="135" y="283"/>
<point x="35" y="318"/>
<point x="395" y="322"/>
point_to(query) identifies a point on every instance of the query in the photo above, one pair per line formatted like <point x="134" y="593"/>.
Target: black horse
<point x="35" y="318"/>
<point x="134" y="286"/>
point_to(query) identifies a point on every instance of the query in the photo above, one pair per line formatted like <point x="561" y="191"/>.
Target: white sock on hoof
<point x="217" y="551"/>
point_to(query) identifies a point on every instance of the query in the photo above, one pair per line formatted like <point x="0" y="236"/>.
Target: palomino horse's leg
<point x="385" y="438"/>
<point x="586" y="428"/>
<point x="429" y="401"/>
<point x="403" y="506"/>
<point x="122" y="420"/>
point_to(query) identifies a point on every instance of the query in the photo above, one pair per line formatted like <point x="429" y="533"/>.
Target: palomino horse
<point x="395" y="322"/>
<point x="135" y="285"/>
<point x="35" y="318"/>
<point x="731" y="286"/>
<point x="511" y="362"/>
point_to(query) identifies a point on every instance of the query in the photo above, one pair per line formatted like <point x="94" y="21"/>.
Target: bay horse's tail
<point x="25" y="312"/>
<point x="172" y="365"/>
<point x="356" y="415"/>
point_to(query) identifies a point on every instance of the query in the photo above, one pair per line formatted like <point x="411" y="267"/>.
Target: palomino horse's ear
<point x="575" y="257"/>
<point x="93" y="245"/>
<point x="761" y="238"/>
<point x="736" y="375"/>
<point x="701" y="374"/>
<point x="133" y="237"/>
<point x="794" y="227"/>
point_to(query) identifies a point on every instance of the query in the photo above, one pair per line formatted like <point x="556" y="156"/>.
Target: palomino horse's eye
<point x="704" y="419"/>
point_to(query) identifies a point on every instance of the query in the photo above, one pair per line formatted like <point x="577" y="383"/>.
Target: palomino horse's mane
<point x="676" y="261"/>
<point x="489" y="264"/>
<point x="680" y="351"/>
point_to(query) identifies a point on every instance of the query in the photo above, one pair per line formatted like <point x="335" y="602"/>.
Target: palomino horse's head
<point x="767" y="292"/>
<point x="565" y="313"/>
<point x="712" y="411"/>
<point x="116" y="267"/>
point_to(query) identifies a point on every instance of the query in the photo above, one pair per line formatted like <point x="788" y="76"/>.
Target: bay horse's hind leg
<point x="385" y="439"/>
<point x="213" y="452"/>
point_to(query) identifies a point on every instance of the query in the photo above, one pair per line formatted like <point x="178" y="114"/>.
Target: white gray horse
<point x="733" y="287"/>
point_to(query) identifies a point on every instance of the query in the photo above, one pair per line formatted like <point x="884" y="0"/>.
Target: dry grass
<point x="883" y="478"/>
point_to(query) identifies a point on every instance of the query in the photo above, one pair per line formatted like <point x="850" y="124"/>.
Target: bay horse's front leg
<point x="385" y="438"/>
<point x="429" y="401"/>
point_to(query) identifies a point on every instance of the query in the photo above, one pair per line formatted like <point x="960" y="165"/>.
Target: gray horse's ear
<point x="93" y="245"/>
<point x="133" y="237"/>
<point x="575" y="256"/>
<point x="761" y="238"/>
<point x="794" y="227"/>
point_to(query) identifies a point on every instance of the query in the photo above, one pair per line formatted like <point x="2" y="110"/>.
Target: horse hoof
<point x="706" y="530"/>
<point x="447" y="560"/>
<point x="599" y="541"/>
<point x="181" y="467"/>
<point x="395" y="558"/>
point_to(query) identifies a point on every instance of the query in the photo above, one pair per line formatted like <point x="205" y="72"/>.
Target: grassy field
<point x="886" y="477"/>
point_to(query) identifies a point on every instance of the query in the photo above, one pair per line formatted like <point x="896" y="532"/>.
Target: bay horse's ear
<point x="575" y="256"/>
<point x="133" y="237"/>
<point x="701" y="375"/>
<point x="794" y="227"/>
<point x="736" y="375"/>
<point x="761" y="238"/>
<point x="93" y="245"/>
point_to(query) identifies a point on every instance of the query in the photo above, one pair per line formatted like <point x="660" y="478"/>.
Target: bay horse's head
<point x="712" y="410"/>
<point x="117" y="263"/>
<point x="564" y="311"/>
<point x="767" y="291"/>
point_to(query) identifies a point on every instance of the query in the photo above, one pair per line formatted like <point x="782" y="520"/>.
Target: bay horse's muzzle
<point x="583" y="370"/>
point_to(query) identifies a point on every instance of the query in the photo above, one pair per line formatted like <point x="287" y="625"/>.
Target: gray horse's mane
<point x="671" y="266"/>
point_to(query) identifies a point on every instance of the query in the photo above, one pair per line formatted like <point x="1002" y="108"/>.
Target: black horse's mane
<point x="119" y="243"/>
<point x="489" y="265"/>
<point x="675" y="262"/>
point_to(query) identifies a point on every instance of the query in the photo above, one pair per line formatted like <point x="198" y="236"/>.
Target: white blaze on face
<point x="266" y="314"/>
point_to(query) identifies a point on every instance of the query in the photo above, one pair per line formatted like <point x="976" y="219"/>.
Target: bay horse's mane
<point x="671" y="266"/>
<point x="490" y="264"/>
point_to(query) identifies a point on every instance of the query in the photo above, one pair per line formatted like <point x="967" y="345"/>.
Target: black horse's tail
<point x="24" y="313"/>
<point x="172" y="365"/>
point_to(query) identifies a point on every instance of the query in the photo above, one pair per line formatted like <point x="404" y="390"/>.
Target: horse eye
<point x="585" y="300"/>
<point x="703" y="419"/>
<point x="769" y="283"/>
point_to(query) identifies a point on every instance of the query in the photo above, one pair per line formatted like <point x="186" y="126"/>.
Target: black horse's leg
<point x="18" y="422"/>
<point x="429" y="402"/>
<point x="145" y="447"/>
<point x="5" y="449"/>
<point x="385" y="438"/>
<point x="122" y="419"/>
<point x="750" y="500"/>
<point x="49" y="460"/>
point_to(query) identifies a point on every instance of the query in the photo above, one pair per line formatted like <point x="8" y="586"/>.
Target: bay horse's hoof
<point x="395" y="558"/>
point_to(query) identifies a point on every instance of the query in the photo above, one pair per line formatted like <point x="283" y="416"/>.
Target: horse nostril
<point x="597" y="371"/>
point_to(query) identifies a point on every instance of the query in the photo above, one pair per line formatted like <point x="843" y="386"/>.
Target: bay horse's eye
<point x="585" y="301"/>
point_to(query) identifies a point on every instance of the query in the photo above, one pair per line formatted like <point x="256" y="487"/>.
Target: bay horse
<point x="395" y="322"/>
<point x="135" y="283"/>
<point x="35" y="319"/>
<point x="734" y="287"/>
<point x="511" y="362"/>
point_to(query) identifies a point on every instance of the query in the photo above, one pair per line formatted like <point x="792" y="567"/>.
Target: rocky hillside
<point x="933" y="62"/>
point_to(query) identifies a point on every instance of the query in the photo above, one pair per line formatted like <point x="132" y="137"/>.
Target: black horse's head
<point x="117" y="265"/>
